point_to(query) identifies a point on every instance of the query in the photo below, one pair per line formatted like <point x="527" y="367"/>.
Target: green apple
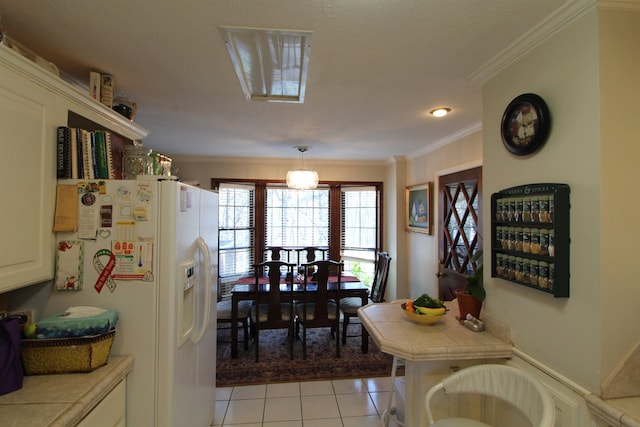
<point x="30" y="331"/>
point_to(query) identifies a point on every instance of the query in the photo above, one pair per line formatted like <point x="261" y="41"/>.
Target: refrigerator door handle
<point x="206" y="254"/>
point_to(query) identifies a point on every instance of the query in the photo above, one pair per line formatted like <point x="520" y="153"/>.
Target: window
<point x="255" y="215"/>
<point x="360" y="209"/>
<point x="236" y="230"/>
<point x="297" y="218"/>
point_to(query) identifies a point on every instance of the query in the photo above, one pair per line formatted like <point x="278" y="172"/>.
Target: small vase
<point x="468" y="304"/>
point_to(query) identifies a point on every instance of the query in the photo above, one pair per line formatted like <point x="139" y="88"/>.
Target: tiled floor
<point x="338" y="403"/>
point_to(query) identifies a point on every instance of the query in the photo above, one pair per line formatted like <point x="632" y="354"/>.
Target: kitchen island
<point x="421" y="346"/>
<point x="65" y="400"/>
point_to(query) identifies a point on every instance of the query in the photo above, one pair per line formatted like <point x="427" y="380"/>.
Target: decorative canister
<point x="137" y="161"/>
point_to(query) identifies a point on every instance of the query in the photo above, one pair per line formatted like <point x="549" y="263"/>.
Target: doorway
<point x="460" y="221"/>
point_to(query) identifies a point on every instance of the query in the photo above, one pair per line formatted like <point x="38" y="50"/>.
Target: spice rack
<point x="530" y="237"/>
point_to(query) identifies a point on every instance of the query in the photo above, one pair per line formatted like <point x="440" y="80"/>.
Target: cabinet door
<point x="26" y="192"/>
<point x="110" y="412"/>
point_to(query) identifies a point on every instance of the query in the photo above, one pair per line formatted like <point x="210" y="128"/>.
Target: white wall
<point x="422" y="248"/>
<point x="564" y="334"/>
<point x="620" y="151"/>
<point x="202" y="169"/>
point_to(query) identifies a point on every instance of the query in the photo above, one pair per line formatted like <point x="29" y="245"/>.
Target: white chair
<point x="509" y="384"/>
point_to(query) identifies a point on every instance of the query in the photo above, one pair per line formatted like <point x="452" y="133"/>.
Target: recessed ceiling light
<point x="440" y="112"/>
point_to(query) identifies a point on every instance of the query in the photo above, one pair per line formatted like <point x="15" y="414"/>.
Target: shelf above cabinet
<point x="78" y="99"/>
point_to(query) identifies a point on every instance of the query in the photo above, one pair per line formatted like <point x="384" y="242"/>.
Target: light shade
<point x="271" y="64"/>
<point x="302" y="179"/>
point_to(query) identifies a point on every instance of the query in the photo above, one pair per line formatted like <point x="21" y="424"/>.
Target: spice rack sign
<point x="530" y="237"/>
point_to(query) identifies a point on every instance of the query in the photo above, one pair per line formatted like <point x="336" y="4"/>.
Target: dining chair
<point x="349" y="306"/>
<point x="270" y="310"/>
<point x="504" y="382"/>
<point x="317" y="308"/>
<point x="244" y="312"/>
<point x="308" y="255"/>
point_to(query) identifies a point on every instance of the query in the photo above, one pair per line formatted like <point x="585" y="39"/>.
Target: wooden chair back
<point x="379" y="285"/>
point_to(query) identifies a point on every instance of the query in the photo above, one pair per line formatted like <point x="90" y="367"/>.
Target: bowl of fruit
<point x="424" y="310"/>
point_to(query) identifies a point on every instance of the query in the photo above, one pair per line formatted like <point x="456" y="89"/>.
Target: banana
<point x="431" y="311"/>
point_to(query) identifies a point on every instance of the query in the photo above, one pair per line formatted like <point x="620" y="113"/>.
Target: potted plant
<point x="470" y="299"/>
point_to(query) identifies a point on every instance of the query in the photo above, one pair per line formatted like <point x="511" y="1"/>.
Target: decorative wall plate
<point x="525" y="124"/>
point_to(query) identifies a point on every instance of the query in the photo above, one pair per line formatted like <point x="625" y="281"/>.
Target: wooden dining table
<point x="244" y="290"/>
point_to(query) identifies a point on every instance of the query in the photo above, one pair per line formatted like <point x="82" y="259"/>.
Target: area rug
<point x="275" y="365"/>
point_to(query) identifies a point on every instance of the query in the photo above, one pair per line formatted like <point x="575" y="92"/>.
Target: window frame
<point x="335" y="210"/>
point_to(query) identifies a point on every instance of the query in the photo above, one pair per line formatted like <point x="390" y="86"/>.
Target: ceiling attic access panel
<point x="271" y="64"/>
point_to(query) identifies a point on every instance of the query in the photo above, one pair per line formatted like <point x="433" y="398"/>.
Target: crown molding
<point x="554" y="24"/>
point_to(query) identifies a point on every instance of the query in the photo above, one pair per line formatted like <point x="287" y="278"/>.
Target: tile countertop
<point x="63" y="399"/>
<point x="447" y="339"/>
<point x="620" y="412"/>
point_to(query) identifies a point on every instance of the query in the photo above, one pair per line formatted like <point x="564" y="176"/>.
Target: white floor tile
<point x="324" y="422"/>
<point x="381" y="400"/>
<point x="285" y="424"/>
<point x="314" y="407"/>
<point x="364" y="421"/>
<point x="378" y="384"/>
<point x="244" y="411"/>
<point x="220" y="411"/>
<point x="338" y="403"/>
<point x="283" y="390"/>
<point x="223" y="393"/>
<point x="349" y="386"/>
<point x="282" y="409"/>
<point x="249" y="392"/>
<point x="315" y="388"/>
<point x="357" y="404"/>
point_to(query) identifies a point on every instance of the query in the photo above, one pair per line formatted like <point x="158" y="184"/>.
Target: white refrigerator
<point x="148" y="249"/>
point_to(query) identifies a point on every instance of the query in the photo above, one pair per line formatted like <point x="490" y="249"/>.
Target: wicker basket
<point x="66" y="355"/>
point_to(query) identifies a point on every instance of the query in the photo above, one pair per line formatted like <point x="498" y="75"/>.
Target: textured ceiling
<point x="377" y="67"/>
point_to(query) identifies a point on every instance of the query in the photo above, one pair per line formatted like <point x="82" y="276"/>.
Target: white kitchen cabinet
<point x="33" y="103"/>
<point x="111" y="411"/>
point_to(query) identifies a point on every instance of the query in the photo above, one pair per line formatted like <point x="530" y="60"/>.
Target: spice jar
<point x="544" y="242"/>
<point x="535" y="208"/>
<point x="535" y="241"/>
<point x="526" y="240"/>
<point x="518" y="239"/>
<point x="543" y="208"/>
<point x="552" y="243"/>
<point x="552" y="273"/>
<point x="543" y="274"/>
<point x="526" y="209"/>
<point x="499" y="209"/>
<point x="518" y="209"/>
<point x="518" y="269"/>
<point x="533" y="272"/>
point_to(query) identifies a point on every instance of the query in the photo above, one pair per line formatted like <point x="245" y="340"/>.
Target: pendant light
<point x="302" y="179"/>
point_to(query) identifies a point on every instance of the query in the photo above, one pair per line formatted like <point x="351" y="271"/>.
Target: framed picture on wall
<point x="418" y="208"/>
